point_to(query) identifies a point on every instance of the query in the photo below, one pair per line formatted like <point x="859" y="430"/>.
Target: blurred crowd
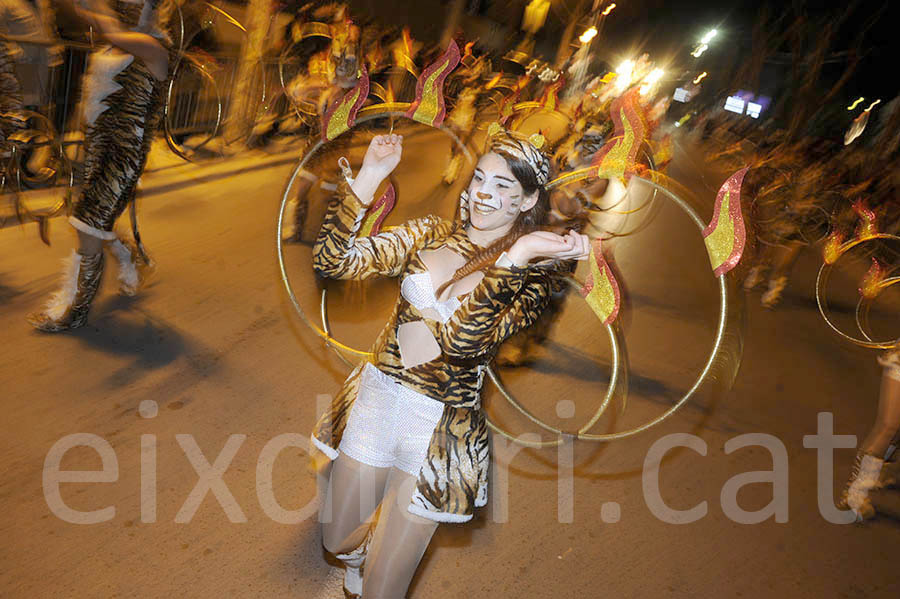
<point x="809" y="191"/>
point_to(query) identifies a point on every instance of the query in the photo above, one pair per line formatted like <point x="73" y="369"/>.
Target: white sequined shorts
<point x="389" y="424"/>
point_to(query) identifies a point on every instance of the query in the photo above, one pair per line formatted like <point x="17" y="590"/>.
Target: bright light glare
<point x="624" y="72"/>
<point x="608" y="9"/>
<point x="700" y="77"/>
<point x="708" y="37"/>
<point x="700" y="50"/>
<point x="855" y="103"/>
<point x="650" y="80"/>
<point x="588" y="35"/>
<point x="654" y="76"/>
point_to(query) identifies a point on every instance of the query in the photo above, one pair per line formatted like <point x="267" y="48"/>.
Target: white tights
<point x="359" y="496"/>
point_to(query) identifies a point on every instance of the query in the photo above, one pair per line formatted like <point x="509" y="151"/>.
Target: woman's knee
<point x="337" y="539"/>
<point x="331" y="538"/>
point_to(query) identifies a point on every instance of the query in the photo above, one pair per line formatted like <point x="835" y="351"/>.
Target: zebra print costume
<point x="452" y="481"/>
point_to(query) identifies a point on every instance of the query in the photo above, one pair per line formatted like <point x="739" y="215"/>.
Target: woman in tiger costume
<point x="123" y="101"/>
<point x="406" y="432"/>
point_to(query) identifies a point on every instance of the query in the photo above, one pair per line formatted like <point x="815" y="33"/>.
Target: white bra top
<point x="418" y="290"/>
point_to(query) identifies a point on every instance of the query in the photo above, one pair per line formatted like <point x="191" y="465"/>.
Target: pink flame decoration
<point x="588" y="287"/>
<point x="732" y="187"/>
<point x="446" y="63"/>
<point x="362" y="88"/>
<point x="382" y="207"/>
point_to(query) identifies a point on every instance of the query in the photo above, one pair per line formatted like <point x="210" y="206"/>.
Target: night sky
<point x="667" y="28"/>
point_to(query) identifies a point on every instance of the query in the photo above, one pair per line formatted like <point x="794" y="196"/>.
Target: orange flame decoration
<point x="378" y="212"/>
<point x="341" y="116"/>
<point x="871" y="282"/>
<point x="725" y="234"/>
<point x="867" y="226"/>
<point x="600" y="290"/>
<point x="619" y="155"/>
<point x="428" y="107"/>
<point x="832" y="250"/>
<point x="494" y="81"/>
<point x="663" y="154"/>
<point x="550" y="98"/>
<point x="467" y="57"/>
<point x="508" y="104"/>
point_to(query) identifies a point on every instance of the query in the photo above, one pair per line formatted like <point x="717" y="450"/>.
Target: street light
<point x="623" y="74"/>
<point x="703" y="45"/>
<point x="588" y="35"/>
<point x="651" y="80"/>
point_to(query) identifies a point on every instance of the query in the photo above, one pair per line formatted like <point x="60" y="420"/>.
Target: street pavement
<point x="212" y="365"/>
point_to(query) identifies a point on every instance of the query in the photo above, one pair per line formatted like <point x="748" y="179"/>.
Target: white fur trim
<point x="308" y="176"/>
<point x="328" y="451"/>
<point x="128" y="274"/>
<point x="92" y="231"/>
<point x="146" y="16"/>
<point x="60" y="301"/>
<point x="437" y="516"/>
<point x="892" y="372"/>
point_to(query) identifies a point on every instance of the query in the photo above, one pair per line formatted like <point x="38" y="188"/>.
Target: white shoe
<point x="865" y="478"/>
<point x="353" y="568"/>
<point x="772" y="295"/>
<point x="754" y="277"/>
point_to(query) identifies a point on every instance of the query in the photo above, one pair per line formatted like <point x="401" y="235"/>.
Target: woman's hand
<point x="544" y="244"/>
<point x="382" y="157"/>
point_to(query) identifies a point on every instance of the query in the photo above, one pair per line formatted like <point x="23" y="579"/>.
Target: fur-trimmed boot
<point x="754" y="276"/>
<point x="68" y="308"/>
<point x="865" y="478"/>
<point x="132" y="269"/>
<point x="890" y="472"/>
<point x="772" y="296"/>
<point x="353" y="565"/>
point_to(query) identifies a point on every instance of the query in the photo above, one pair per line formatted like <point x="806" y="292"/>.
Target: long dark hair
<point x="526" y="222"/>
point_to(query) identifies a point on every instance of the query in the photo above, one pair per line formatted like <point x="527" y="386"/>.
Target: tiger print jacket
<point x="453" y="479"/>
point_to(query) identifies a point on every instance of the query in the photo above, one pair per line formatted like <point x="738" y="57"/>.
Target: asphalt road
<point x="212" y="349"/>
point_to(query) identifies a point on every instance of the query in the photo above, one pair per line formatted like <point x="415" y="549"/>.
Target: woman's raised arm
<point x="338" y="253"/>
<point x="140" y="45"/>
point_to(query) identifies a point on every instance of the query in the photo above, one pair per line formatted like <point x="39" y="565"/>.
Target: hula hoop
<point x="822" y="301"/>
<point x="324" y="331"/>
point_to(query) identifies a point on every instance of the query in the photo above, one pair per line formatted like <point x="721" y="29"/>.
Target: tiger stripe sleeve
<point x="339" y="254"/>
<point x="506" y="301"/>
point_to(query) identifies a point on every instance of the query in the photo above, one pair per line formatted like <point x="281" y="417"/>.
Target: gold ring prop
<point x="617" y="364"/>
<point x="368" y="113"/>
<point x="323" y="330"/>
<point x="863" y="305"/>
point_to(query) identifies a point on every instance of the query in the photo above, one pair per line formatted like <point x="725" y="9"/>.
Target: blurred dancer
<point x="123" y="104"/>
<point x="879" y="446"/>
<point x="330" y="73"/>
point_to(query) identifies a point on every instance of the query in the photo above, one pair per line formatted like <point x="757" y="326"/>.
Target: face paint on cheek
<point x="514" y="205"/>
